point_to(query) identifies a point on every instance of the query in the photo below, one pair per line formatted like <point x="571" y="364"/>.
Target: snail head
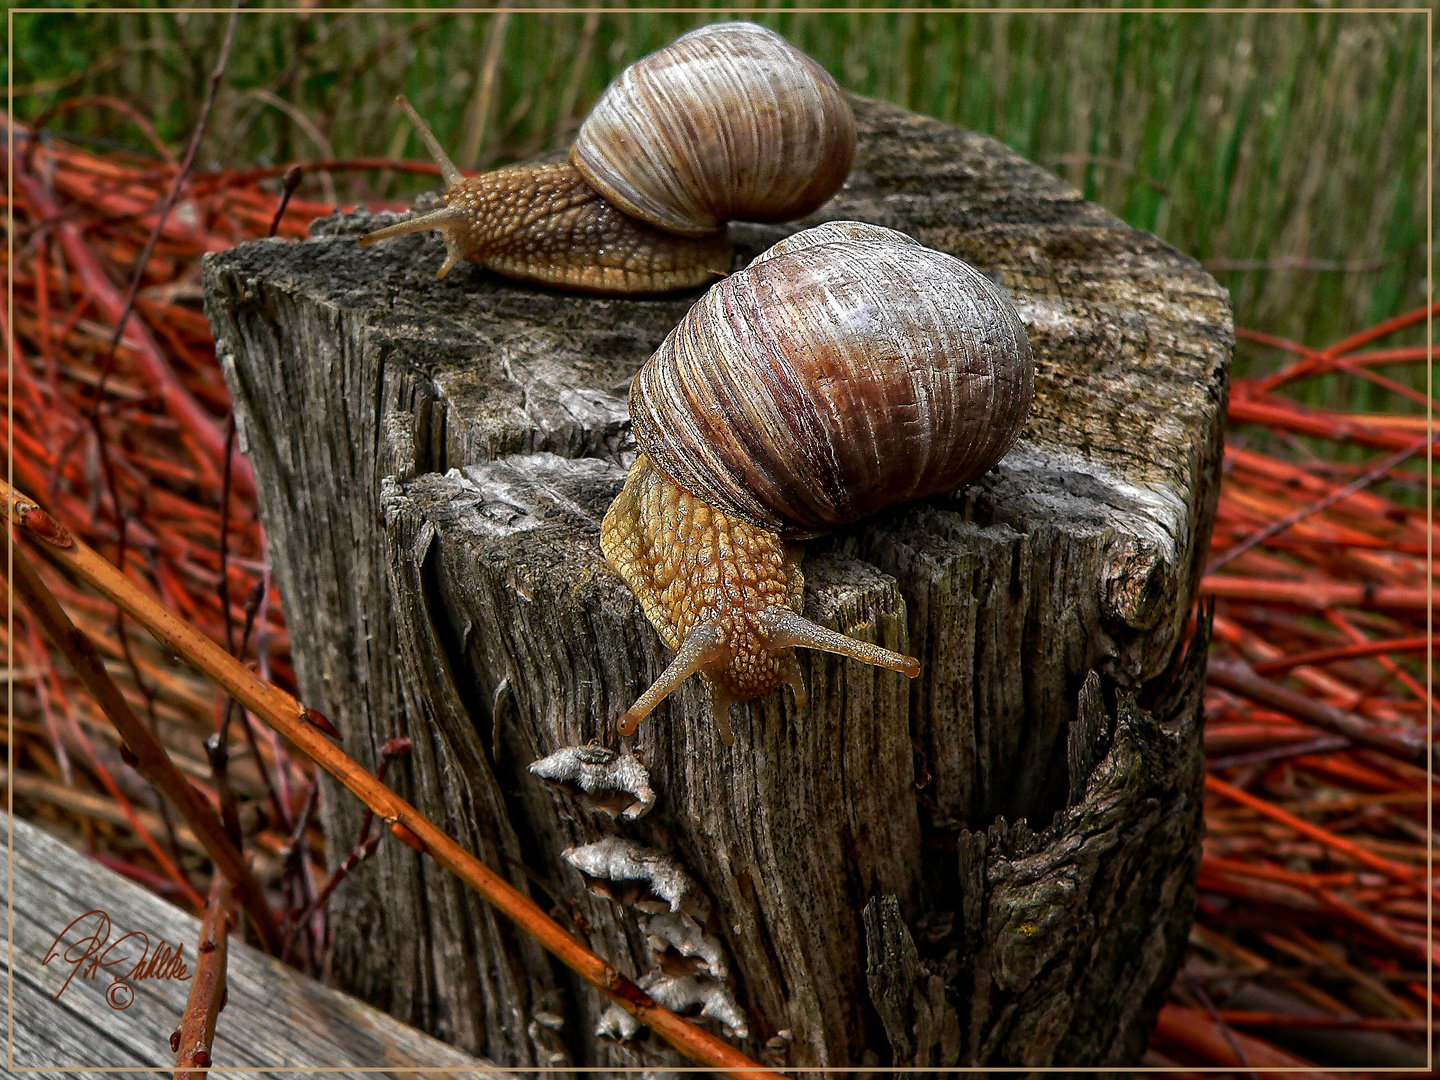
<point x="723" y="593"/>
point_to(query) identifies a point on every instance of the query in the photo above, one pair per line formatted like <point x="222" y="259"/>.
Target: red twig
<point x="292" y="181"/>
<point x="1360" y="483"/>
<point x="137" y="338"/>
<point x="1316" y="595"/>
<point x="1392" y="647"/>
<point x="1240" y="677"/>
<point x="1193" y="1030"/>
<point x="195" y="1036"/>
<point x="365" y="844"/>
<point x="170" y="197"/>
<point x="1390" y="869"/>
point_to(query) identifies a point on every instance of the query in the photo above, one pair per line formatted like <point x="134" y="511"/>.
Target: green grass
<point x="1239" y="138"/>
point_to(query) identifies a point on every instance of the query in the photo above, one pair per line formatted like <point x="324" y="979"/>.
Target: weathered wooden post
<point x="994" y="863"/>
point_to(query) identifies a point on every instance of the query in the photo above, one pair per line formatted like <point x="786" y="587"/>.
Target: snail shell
<point x="728" y="122"/>
<point x="845" y="370"/>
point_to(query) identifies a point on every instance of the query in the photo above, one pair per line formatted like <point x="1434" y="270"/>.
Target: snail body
<point x="729" y="121"/>
<point x="847" y="369"/>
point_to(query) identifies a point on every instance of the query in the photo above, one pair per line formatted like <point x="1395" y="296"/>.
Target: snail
<point x="845" y="370"/>
<point x="729" y="121"/>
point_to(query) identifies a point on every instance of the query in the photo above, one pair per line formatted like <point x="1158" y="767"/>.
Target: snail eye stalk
<point x="448" y="171"/>
<point x="783" y="628"/>
<point x="702" y="646"/>
<point x="434" y="219"/>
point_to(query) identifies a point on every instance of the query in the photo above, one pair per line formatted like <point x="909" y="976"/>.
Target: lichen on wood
<point x="616" y="784"/>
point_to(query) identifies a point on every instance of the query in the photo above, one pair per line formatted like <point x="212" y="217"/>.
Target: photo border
<point x="1430" y="255"/>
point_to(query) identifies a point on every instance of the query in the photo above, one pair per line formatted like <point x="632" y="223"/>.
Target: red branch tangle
<point x="1313" y="880"/>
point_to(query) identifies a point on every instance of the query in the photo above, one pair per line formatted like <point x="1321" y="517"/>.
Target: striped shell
<point x="845" y="370"/>
<point x="728" y="122"/>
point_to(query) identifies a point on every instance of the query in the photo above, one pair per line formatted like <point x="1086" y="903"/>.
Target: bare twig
<point x="149" y="756"/>
<point x="217" y="745"/>
<point x="1396" y="872"/>
<point x="99" y="290"/>
<point x="298" y="870"/>
<point x="1225" y="1032"/>
<point x="170" y="199"/>
<point x="193" y="1039"/>
<point x="477" y="116"/>
<point x="123" y="319"/>
<point x="362" y="851"/>
<point x="566" y="120"/>
<point x="302" y="726"/>
<point x="97" y="807"/>
<point x="293" y="176"/>
<point x="365" y="846"/>
<point x="219" y="755"/>
<point x="222" y="587"/>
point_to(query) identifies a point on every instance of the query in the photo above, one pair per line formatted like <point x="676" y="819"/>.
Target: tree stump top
<point x="433" y="459"/>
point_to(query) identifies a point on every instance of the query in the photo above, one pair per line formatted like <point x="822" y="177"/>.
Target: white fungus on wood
<point x="680" y="994"/>
<point x="544" y="1031"/>
<point x="616" y="1023"/>
<point x="684" y="935"/>
<point x="603" y="776"/>
<point x="614" y="859"/>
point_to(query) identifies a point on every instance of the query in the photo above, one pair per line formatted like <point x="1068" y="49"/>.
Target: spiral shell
<point x="845" y="370"/>
<point x="729" y="121"/>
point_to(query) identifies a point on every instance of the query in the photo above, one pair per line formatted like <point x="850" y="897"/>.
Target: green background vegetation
<point x="1286" y="151"/>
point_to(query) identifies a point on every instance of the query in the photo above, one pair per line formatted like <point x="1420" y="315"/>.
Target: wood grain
<point x="434" y="459"/>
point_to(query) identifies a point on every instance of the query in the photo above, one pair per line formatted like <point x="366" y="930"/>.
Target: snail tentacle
<point x="795" y="679"/>
<point x="720" y="704"/>
<point x="438" y="218"/>
<point x="703" y="645"/>
<point x="784" y="629"/>
<point x="448" y="170"/>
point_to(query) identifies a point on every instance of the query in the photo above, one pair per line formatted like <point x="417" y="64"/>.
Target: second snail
<point x="845" y="370"/>
<point x="728" y="122"/>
